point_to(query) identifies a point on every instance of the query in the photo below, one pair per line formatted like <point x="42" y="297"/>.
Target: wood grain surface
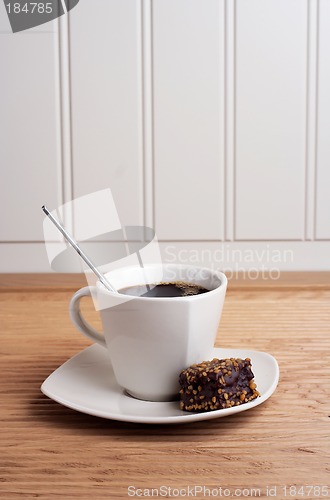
<point x="49" y="451"/>
<point x="72" y="281"/>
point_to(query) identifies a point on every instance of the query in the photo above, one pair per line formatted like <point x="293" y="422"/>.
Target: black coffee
<point x="173" y="289"/>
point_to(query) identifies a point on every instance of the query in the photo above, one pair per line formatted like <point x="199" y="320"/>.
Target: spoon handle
<point x="80" y="252"/>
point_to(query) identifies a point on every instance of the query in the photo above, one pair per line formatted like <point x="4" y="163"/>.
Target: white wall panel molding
<point x="208" y="120"/>
<point x="242" y="256"/>
<point x="230" y="88"/>
<point x="106" y="102"/>
<point x="58" y="115"/>
<point x="66" y="174"/>
<point x="323" y="126"/>
<point x="271" y="41"/>
<point x="234" y="256"/>
<point x="24" y="257"/>
<point x="148" y="132"/>
<point x="311" y="125"/>
<point x="188" y="160"/>
<point x="29" y="129"/>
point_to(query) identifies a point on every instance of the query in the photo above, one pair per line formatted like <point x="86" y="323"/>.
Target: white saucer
<point x="86" y="383"/>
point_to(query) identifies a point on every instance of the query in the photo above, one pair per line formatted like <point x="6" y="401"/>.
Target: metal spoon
<point x="80" y="252"/>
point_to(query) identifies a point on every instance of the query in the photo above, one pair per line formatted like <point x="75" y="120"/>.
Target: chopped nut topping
<point x="210" y="385"/>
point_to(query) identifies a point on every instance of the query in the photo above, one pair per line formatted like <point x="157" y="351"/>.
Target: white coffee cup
<point x="150" y="340"/>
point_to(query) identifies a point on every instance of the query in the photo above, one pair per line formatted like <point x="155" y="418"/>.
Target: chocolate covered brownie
<point x="216" y="384"/>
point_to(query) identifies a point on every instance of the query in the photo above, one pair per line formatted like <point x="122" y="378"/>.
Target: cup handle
<point x="79" y="321"/>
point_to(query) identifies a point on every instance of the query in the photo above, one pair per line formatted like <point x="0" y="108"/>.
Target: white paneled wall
<point x="270" y="119"/>
<point x="188" y="113"/>
<point x="322" y="229"/>
<point x="209" y="120"/>
<point x="106" y="97"/>
<point x="29" y="129"/>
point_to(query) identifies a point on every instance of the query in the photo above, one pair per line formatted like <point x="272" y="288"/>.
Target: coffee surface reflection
<point x="170" y="289"/>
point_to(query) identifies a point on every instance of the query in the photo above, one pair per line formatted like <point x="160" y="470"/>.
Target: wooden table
<point x="49" y="451"/>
